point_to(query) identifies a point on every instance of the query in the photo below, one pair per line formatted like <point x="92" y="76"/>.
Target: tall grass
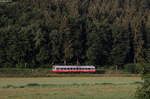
<point x="69" y="88"/>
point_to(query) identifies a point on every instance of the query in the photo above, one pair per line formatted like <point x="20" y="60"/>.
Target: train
<point x="77" y="69"/>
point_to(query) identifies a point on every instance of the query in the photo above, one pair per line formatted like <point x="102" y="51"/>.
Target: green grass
<point x="69" y="88"/>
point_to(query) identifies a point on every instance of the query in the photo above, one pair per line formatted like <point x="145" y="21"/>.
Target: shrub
<point x="133" y="68"/>
<point x="144" y="91"/>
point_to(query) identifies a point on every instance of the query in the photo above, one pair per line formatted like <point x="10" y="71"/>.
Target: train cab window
<point x="53" y="68"/>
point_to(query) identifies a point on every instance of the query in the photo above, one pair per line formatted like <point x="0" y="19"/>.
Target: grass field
<point x="69" y="88"/>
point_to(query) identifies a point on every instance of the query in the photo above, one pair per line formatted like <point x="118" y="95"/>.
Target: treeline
<point x="37" y="33"/>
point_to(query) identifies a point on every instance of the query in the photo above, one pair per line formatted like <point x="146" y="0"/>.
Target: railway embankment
<point x="13" y="72"/>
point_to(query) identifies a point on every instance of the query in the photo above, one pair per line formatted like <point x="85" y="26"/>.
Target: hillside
<point x="36" y="33"/>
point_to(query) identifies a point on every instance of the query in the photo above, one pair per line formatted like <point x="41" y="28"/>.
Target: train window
<point x="61" y="68"/>
<point x="58" y="68"/>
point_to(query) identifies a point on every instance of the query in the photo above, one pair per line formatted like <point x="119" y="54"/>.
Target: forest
<point x="41" y="33"/>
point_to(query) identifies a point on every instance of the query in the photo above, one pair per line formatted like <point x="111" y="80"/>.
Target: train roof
<point x="58" y="66"/>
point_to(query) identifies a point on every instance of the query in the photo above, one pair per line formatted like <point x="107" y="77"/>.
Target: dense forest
<point x="39" y="33"/>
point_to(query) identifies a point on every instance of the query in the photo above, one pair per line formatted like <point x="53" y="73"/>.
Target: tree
<point x="120" y="47"/>
<point x="36" y="33"/>
<point x="56" y="45"/>
<point x="99" y="43"/>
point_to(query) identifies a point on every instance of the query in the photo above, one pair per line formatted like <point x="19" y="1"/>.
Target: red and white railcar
<point x="73" y="69"/>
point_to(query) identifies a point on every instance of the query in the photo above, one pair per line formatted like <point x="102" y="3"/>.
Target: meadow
<point x="69" y="87"/>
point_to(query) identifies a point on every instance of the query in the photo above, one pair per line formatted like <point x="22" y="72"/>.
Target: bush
<point x="133" y="68"/>
<point x="144" y="91"/>
<point x="25" y="72"/>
